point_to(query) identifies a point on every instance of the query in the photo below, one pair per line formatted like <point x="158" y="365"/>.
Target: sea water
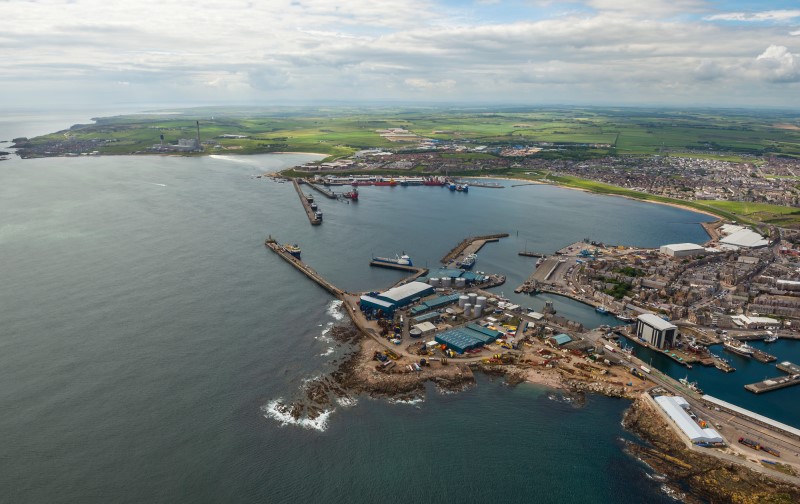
<point x="148" y="334"/>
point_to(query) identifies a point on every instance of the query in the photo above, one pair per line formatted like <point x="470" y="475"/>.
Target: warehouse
<point x="467" y="338"/>
<point x="395" y="298"/>
<point x="434" y="303"/>
<point x="675" y="408"/>
<point x="655" y="331"/>
<point x="405" y="294"/>
<point x="682" y="249"/>
<point x="744" y="238"/>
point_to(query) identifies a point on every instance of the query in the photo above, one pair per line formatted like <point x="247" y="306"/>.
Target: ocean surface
<point x="147" y="335"/>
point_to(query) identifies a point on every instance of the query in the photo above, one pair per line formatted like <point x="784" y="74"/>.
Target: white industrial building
<point x="741" y="237"/>
<point x="675" y="408"/>
<point x="682" y="249"/>
<point x="755" y="322"/>
<point x="655" y="330"/>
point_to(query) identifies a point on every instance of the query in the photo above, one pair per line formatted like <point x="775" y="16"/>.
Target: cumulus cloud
<point x="778" y="64"/>
<point x="362" y="49"/>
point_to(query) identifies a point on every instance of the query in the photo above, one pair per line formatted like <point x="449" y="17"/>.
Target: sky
<point x="58" y="53"/>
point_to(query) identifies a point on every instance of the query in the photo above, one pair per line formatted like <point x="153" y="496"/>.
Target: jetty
<point x="780" y="382"/>
<point x="762" y="356"/>
<point x="788" y="367"/>
<point x="470" y="245"/>
<point x="312" y="215"/>
<point x="274" y="246"/>
<point x="771" y="384"/>
<point x="325" y="192"/>
<point x="529" y="253"/>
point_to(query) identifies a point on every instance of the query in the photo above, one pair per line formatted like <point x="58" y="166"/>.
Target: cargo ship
<point x="742" y="349"/>
<point x="292" y="249"/>
<point x="432" y="181"/>
<point x="402" y="260"/>
<point x="382" y="182"/>
<point x="468" y="262"/>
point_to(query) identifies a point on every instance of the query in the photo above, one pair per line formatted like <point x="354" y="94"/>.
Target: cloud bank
<point x="679" y="52"/>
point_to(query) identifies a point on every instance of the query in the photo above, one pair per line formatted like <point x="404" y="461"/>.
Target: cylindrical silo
<point x="467" y="310"/>
<point x="481" y="301"/>
<point x="446" y="281"/>
<point x="461" y="282"/>
<point x="478" y="310"/>
<point x="462" y="300"/>
<point x="434" y="282"/>
<point x="473" y="298"/>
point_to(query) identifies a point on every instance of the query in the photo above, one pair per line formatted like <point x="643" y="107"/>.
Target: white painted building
<point x="682" y="249"/>
<point x="675" y="407"/>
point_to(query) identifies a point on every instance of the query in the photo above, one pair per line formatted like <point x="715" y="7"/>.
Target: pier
<point x="780" y="382"/>
<point x="325" y="192"/>
<point x="312" y="216"/>
<point x="764" y="357"/>
<point x="528" y="253"/>
<point x="470" y="245"/>
<point x="771" y="384"/>
<point x="303" y="267"/>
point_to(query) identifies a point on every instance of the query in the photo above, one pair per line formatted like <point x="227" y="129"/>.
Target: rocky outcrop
<point x="700" y="477"/>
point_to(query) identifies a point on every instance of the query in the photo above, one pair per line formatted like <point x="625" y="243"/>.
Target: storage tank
<point x="481" y="301"/>
<point x="434" y="282"/>
<point x="461" y="282"/>
<point x="415" y="333"/>
<point x="478" y="310"/>
<point x="467" y="310"/>
<point x="462" y="300"/>
<point x="473" y="298"/>
<point x="446" y="282"/>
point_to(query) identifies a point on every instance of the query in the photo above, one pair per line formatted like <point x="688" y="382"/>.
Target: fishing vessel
<point x="690" y="385"/>
<point x="402" y="260"/>
<point x="771" y="338"/>
<point x="468" y="261"/>
<point x="601" y="309"/>
<point x="742" y="349"/>
<point x="625" y="318"/>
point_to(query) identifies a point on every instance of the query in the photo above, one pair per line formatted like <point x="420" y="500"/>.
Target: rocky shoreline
<point x="697" y="477"/>
<point x="691" y="476"/>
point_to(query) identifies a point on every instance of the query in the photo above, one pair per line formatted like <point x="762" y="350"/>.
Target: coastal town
<point x="443" y="324"/>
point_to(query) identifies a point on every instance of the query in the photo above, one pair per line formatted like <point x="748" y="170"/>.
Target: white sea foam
<point x="334" y="309"/>
<point x="324" y="335"/>
<point x="672" y="493"/>
<point x="276" y="410"/>
<point x="347" y="402"/>
<point x="411" y="402"/>
<point x="327" y="352"/>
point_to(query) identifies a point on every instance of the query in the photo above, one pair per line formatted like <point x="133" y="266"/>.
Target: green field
<point x="583" y="132"/>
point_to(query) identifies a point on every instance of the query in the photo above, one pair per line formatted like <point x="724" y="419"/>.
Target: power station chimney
<point x="198" y="135"/>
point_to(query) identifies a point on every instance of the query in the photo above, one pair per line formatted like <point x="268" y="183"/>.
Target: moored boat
<point x="468" y="261"/>
<point x="601" y="309"/>
<point x="292" y="249"/>
<point x="742" y="349"/>
<point x="402" y="260"/>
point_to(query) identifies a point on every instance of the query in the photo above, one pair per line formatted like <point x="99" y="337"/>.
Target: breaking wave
<point x="280" y="412"/>
<point x="327" y="352"/>
<point x="413" y="401"/>
<point x="334" y="309"/>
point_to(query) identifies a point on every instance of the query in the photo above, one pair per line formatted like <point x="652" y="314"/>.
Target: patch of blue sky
<point x="510" y="11"/>
<point x="744" y="12"/>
